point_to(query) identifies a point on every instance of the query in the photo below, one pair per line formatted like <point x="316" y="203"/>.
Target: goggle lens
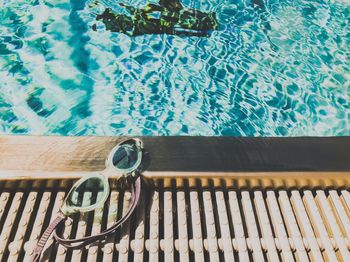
<point x="126" y="156"/>
<point x="94" y="186"/>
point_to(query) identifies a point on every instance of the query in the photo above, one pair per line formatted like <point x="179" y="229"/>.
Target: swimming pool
<point x="276" y="68"/>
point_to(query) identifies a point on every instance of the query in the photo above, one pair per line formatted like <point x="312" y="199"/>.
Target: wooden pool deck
<point x="209" y="199"/>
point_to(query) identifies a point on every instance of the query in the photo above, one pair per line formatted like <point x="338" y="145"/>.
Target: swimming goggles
<point x="125" y="158"/>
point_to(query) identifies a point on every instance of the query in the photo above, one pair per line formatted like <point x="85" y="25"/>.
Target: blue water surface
<point x="277" y="69"/>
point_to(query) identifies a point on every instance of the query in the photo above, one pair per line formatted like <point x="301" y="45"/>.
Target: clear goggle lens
<point x="93" y="186"/>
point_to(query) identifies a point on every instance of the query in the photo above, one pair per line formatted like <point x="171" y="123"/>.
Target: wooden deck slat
<point x="168" y="242"/>
<point x="265" y="226"/>
<point x="153" y="242"/>
<point x="10" y="218"/>
<point x="198" y="248"/>
<point x="278" y="225"/>
<point x="96" y="229"/>
<point x="124" y="244"/>
<point x="138" y="243"/>
<point x="61" y="250"/>
<point x="252" y="227"/>
<point x="16" y="245"/>
<point x="345" y="195"/>
<point x="37" y="226"/>
<point x="292" y="225"/>
<point x="109" y="246"/>
<point x="333" y="225"/>
<point x="341" y="211"/>
<point x="237" y="222"/>
<point x="318" y="225"/>
<point x="82" y="226"/>
<point x="306" y="226"/>
<point x="46" y="254"/>
<point x="4" y="198"/>
<point x="211" y="240"/>
<point x="182" y="227"/>
<point x="226" y="240"/>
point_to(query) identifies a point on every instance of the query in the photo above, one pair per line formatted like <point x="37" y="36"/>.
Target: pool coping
<point x="177" y="155"/>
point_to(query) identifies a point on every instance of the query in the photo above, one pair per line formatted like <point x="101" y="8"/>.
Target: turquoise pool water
<point x="277" y="69"/>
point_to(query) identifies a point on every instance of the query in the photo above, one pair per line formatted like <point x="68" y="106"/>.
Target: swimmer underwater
<point x="168" y="17"/>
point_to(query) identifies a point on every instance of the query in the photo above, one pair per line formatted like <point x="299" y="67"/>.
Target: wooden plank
<point x="196" y="227"/>
<point x="226" y="240"/>
<point x="46" y="254"/>
<point x="330" y="219"/>
<point x="10" y="218"/>
<point x="252" y="227"/>
<point x="63" y="153"/>
<point x="341" y="211"/>
<point x="37" y="226"/>
<point x="124" y="244"/>
<point x="278" y="226"/>
<point x="82" y="226"/>
<point x="4" y="198"/>
<point x="306" y="226"/>
<point x="16" y="245"/>
<point x="319" y="226"/>
<point x="61" y="250"/>
<point x="96" y="229"/>
<point x="292" y="225"/>
<point x="237" y="221"/>
<point x="108" y="245"/>
<point x="265" y="226"/>
<point x="153" y="244"/>
<point x="54" y="153"/>
<point x="346" y="198"/>
<point x="138" y="244"/>
<point x="182" y="240"/>
<point x="211" y="243"/>
<point x="168" y="242"/>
